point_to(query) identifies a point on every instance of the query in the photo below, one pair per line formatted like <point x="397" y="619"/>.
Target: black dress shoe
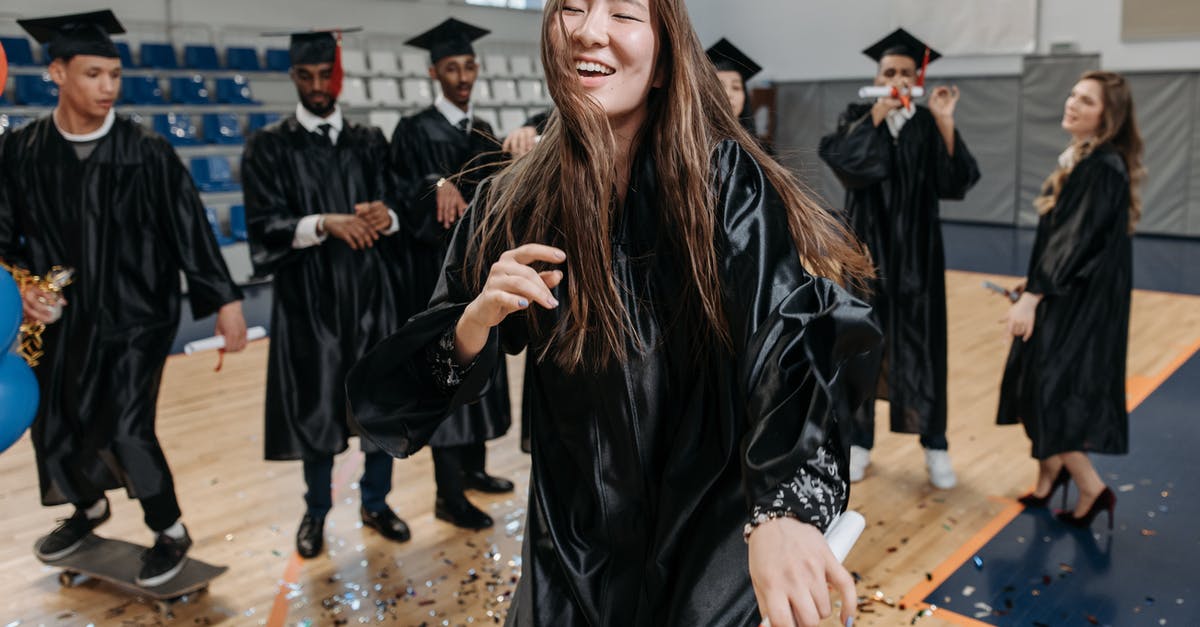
<point x="388" y="524"/>
<point x="310" y="537"/>
<point x="486" y="483"/>
<point x="460" y="513"/>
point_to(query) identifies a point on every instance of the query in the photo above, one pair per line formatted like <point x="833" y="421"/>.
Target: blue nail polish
<point x="850" y="622"/>
<point x="523" y="302"/>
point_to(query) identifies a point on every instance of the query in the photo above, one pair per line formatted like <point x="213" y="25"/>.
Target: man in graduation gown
<point x="87" y="189"/>
<point x="897" y="160"/>
<point x="318" y="196"/>
<point x="441" y="154"/>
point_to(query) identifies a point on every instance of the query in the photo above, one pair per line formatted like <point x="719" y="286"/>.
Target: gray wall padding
<point x="1166" y="126"/>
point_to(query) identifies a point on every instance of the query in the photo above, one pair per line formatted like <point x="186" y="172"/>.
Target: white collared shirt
<point x="897" y="118"/>
<point x="452" y="113"/>
<point x="306" y="229"/>
<point x="311" y="121"/>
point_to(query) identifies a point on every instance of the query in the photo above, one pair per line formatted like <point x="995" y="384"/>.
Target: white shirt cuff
<point x="306" y="232"/>
<point x="395" y="225"/>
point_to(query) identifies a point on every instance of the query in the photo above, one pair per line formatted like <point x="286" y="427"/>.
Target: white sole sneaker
<point x="860" y="458"/>
<point x="941" y="471"/>
<point x="159" y="580"/>
<point x="57" y="555"/>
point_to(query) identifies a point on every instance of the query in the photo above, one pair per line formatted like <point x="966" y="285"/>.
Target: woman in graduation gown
<point x="1065" y="379"/>
<point x="694" y="349"/>
<point x="734" y="70"/>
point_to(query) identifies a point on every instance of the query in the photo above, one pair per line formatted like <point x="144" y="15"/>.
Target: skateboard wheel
<point x="66" y="579"/>
<point x="163" y="607"/>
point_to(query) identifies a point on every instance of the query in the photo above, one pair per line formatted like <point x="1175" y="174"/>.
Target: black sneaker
<point x="68" y="535"/>
<point x="164" y="560"/>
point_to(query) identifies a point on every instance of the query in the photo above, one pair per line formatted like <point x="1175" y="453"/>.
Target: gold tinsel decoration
<point x="58" y="278"/>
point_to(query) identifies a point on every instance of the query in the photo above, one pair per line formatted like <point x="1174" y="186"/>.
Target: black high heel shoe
<point x="1106" y="501"/>
<point x="1063" y="479"/>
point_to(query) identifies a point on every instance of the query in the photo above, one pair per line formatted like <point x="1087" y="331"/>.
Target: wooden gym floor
<point x="242" y="511"/>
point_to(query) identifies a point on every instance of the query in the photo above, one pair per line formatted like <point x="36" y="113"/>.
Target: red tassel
<point x="335" y="79"/>
<point x="924" y="66"/>
<point x="220" y="359"/>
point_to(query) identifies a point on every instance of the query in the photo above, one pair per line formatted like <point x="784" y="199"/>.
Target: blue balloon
<point x="11" y="310"/>
<point x="18" y="398"/>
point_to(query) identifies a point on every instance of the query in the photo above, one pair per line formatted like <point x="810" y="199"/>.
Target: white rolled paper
<point x="218" y="341"/>
<point x="844" y="532"/>
<point x="876" y="91"/>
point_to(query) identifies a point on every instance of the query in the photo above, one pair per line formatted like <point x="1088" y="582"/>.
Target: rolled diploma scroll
<point x="876" y="91"/>
<point x="844" y="532"/>
<point x="217" y="341"/>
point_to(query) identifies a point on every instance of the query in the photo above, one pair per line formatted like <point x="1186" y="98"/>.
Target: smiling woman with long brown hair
<point x="1065" y="380"/>
<point x="693" y="349"/>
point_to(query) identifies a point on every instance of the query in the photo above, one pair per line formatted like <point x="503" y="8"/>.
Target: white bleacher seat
<point x="354" y="62"/>
<point x="385" y="120"/>
<point x="538" y="69"/>
<point x="354" y="92"/>
<point x="414" y="64"/>
<point x="504" y="91"/>
<point x="495" y="66"/>
<point x="510" y="120"/>
<point x="529" y="91"/>
<point x="522" y="66"/>
<point x="383" y="63"/>
<point x="385" y="92"/>
<point x="417" y="92"/>
<point x="491" y="117"/>
<point x="482" y="93"/>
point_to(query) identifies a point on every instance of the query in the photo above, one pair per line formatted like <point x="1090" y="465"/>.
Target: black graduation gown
<point x="643" y="474"/>
<point x="331" y="303"/>
<point x="892" y="193"/>
<point x="129" y="220"/>
<point x="426" y="148"/>
<point x="1067" y="383"/>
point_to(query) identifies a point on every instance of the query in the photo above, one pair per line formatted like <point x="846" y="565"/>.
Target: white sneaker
<point x="860" y="458"/>
<point x="941" y="472"/>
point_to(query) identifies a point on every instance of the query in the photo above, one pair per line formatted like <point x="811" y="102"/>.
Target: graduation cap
<point x="728" y="58"/>
<point x="312" y="47"/>
<point x="308" y="47"/>
<point x="448" y="39"/>
<point x="78" y="33"/>
<point x="901" y="42"/>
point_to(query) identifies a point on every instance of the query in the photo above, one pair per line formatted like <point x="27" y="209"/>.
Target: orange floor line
<point x="291" y="573"/>
<point x="1138" y="388"/>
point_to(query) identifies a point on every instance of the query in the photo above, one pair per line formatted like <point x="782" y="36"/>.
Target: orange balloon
<point x="3" y="70"/>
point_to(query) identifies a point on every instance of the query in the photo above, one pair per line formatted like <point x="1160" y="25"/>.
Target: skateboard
<point x="117" y="563"/>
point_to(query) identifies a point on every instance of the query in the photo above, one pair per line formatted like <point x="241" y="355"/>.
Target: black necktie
<point x="326" y="131"/>
<point x="464" y="124"/>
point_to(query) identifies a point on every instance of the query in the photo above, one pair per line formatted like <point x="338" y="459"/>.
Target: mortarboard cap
<point x="728" y="58"/>
<point x="451" y="37"/>
<point x="313" y="46"/>
<point x="78" y="33"/>
<point x="901" y="42"/>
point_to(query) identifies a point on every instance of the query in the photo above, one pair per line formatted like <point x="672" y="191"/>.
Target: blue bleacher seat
<point x="35" y="90"/>
<point x="189" y="90"/>
<point x="246" y="59"/>
<point x="126" y="54"/>
<point x="161" y="56"/>
<point x="234" y="90"/>
<point x="278" y="60"/>
<point x="200" y="57"/>
<point x="213" y="174"/>
<point x="259" y="120"/>
<point x="18" y="50"/>
<point x="178" y="128"/>
<point x="222" y="238"/>
<point x="237" y="222"/>
<point x="222" y="128"/>
<point x="141" y="90"/>
<point x="14" y="122"/>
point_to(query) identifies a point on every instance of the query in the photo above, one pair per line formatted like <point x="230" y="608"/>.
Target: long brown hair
<point x="563" y="192"/>
<point x="1118" y="126"/>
